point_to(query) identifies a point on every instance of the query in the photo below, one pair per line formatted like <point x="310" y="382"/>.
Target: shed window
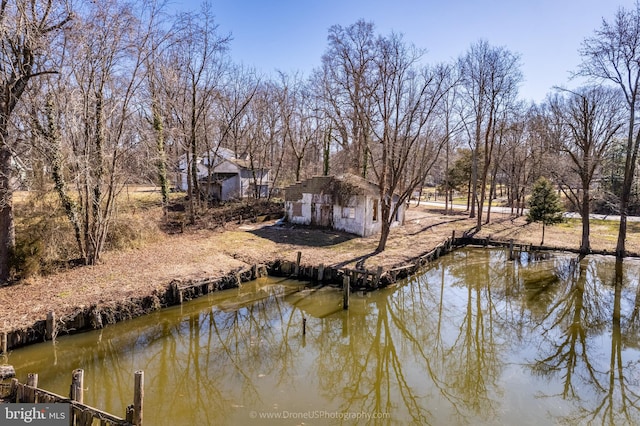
<point x="297" y="209"/>
<point x="375" y="210"/>
<point x="349" y="212"/>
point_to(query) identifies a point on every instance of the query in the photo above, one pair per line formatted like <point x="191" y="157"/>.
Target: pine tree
<point x="544" y="205"/>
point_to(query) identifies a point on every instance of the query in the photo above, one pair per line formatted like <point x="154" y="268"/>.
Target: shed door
<point x="322" y="214"/>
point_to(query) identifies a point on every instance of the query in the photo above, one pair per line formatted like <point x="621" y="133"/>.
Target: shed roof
<point x="338" y="186"/>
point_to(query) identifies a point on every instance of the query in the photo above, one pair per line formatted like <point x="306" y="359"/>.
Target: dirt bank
<point x="146" y="272"/>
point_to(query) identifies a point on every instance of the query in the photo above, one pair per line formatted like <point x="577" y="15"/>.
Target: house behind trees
<point x="223" y="176"/>
<point x="346" y="203"/>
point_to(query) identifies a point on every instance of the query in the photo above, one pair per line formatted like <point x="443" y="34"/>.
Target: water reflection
<point x="476" y="339"/>
<point x="583" y="314"/>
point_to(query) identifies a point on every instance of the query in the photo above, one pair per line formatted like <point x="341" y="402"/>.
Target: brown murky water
<point x="476" y="339"/>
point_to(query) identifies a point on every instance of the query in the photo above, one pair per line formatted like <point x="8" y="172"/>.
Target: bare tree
<point x="96" y="98"/>
<point x="590" y="117"/>
<point x="613" y="54"/>
<point x="299" y="119"/>
<point x="406" y="125"/>
<point x="198" y="55"/>
<point x="489" y="78"/>
<point x="347" y="81"/>
<point x="159" y="41"/>
<point x="27" y="31"/>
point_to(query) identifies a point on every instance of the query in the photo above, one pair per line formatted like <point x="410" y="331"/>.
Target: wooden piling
<point x="511" y="250"/>
<point x="77" y="385"/>
<point x="321" y="272"/>
<point x="297" y="270"/>
<point x="138" y="398"/>
<point x="14" y="387"/>
<point x="32" y="380"/>
<point x="378" y="275"/>
<point x="7" y="371"/>
<point x="129" y="414"/>
<point x="304" y="326"/>
<point x="4" y="342"/>
<point x="345" y="291"/>
<point x="50" y="332"/>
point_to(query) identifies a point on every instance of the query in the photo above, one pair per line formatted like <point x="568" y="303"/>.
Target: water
<point x="475" y="339"/>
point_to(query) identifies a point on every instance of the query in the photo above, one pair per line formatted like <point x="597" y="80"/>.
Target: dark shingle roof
<point x="337" y="186"/>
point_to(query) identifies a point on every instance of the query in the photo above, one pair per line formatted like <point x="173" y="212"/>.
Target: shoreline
<point x="86" y="298"/>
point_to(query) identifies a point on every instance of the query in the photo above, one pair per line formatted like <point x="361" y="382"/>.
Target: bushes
<point x="26" y="258"/>
<point x="45" y="240"/>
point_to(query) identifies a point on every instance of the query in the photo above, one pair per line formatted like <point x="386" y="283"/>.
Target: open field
<point x="141" y="269"/>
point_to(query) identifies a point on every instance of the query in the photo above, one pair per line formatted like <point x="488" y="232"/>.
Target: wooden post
<point x="14" y="388"/>
<point x="51" y="326"/>
<point x="378" y="275"/>
<point x="254" y="272"/>
<point x="4" y="343"/>
<point x="321" y="272"/>
<point x="304" y="326"/>
<point x="345" y="291"/>
<point x="511" y="250"/>
<point x="77" y="385"/>
<point x="453" y="235"/>
<point x="7" y="372"/>
<point x="32" y="381"/>
<point x="138" y="397"/>
<point x="297" y="270"/>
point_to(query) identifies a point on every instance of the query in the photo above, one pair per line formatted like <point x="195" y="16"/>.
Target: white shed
<point x="347" y="203"/>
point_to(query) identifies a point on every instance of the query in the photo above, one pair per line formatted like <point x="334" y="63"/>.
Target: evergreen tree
<point x="544" y="205"/>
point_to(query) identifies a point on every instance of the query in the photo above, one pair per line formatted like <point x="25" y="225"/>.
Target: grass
<point x="45" y="240"/>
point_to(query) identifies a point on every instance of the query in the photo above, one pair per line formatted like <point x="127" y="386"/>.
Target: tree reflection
<point x="471" y="365"/>
<point x="582" y="314"/>
<point x="408" y="348"/>
<point x="447" y="347"/>
<point x="565" y="329"/>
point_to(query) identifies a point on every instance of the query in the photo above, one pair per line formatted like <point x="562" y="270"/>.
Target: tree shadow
<point x="303" y="236"/>
<point x="435" y="225"/>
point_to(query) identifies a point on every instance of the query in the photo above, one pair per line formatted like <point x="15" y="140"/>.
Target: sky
<point x="291" y="35"/>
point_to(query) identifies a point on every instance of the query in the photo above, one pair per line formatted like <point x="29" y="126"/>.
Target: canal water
<point x="474" y="339"/>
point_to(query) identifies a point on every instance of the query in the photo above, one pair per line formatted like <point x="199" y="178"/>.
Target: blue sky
<point x="290" y="35"/>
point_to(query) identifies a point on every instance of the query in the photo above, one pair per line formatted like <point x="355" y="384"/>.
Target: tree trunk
<point x="385" y="217"/>
<point x="384" y="236"/>
<point x="57" y="174"/>
<point x="585" y="246"/>
<point x="473" y="188"/>
<point x="326" y="152"/>
<point x="7" y="229"/>
<point x="629" y="173"/>
<point x="162" y="159"/>
<point x="543" y="226"/>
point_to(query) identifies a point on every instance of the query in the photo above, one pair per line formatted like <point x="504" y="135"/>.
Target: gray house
<point x="223" y="176"/>
<point x="347" y="203"/>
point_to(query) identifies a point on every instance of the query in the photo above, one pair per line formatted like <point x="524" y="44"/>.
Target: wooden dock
<point x="81" y="414"/>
